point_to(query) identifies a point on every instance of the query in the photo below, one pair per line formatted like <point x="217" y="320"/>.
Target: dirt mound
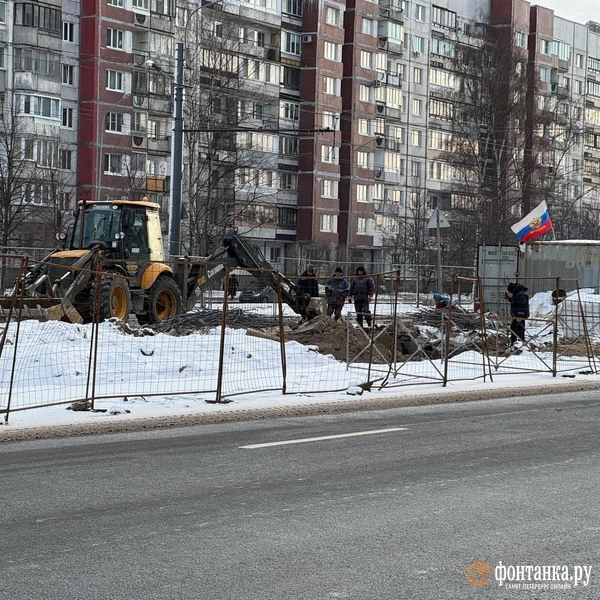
<point x="343" y="340"/>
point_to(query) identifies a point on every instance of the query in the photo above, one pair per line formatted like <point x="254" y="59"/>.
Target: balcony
<point x="390" y="10"/>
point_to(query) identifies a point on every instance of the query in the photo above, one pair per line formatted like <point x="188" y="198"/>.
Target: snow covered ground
<point x="154" y="376"/>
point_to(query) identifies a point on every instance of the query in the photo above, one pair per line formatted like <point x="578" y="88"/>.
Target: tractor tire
<point x="163" y="301"/>
<point x="115" y="298"/>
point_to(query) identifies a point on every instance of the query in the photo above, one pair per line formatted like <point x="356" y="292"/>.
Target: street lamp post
<point x="177" y="140"/>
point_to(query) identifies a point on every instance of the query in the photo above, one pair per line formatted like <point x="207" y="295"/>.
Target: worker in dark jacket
<point x="516" y="294"/>
<point x="308" y="283"/>
<point x="361" y="290"/>
<point x="336" y="291"/>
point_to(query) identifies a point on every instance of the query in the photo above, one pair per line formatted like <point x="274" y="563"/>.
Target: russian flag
<point x="536" y="223"/>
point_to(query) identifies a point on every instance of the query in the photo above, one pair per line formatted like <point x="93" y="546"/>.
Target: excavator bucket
<point x="41" y="309"/>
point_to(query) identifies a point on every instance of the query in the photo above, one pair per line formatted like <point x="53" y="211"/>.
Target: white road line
<point x="324" y="437"/>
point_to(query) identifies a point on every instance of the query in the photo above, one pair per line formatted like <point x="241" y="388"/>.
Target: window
<point x="290" y="110"/>
<point x="593" y="64"/>
<point x="442" y="47"/>
<point x="368" y="26"/>
<point x="362" y="225"/>
<point x="288" y="181"/>
<point x="65" y="159"/>
<point x="366" y="60"/>
<point x="288" y="145"/>
<point x="416" y="138"/>
<point x="332" y="16"/>
<point x="286" y="217"/>
<point x="417" y="75"/>
<point x="331" y="85"/>
<point x="545" y="46"/>
<point x="440" y="140"/>
<point x="114" y="80"/>
<point x="441" y="109"/>
<point x="143" y="4"/>
<point x="292" y="7"/>
<point x="520" y="40"/>
<point x="579" y="61"/>
<point x="67" y="118"/>
<point x="114" y="39"/>
<point x="40" y="106"/>
<point x="415" y="168"/>
<point x="329" y="188"/>
<point x="291" y="42"/>
<point x="578" y="86"/>
<point x="333" y="51"/>
<point x="364" y="160"/>
<point x="443" y="17"/>
<point x="37" y="60"/>
<point x="46" y="153"/>
<point x="139" y="122"/>
<point x="291" y="78"/>
<point x="364" y="193"/>
<point x="443" y="78"/>
<point x="28" y="149"/>
<point x="545" y="75"/>
<point x="417" y="107"/>
<point x="2" y="12"/>
<point x="364" y="127"/>
<point x="328" y="223"/>
<point x="331" y="120"/>
<point x="138" y="162"/>
<point x="330" y="154"/>
<point x="68" y="31"/>
<point x="113" y="163"/>
<point x="419" y="12"/>
<point x="365" y="93"/>
<point x="114" y="122"/>
<point x="418" y="44"/>
<point x="440" y="171"/>
<point x="118" y="3"/>
<point x="593" y="88"/>
<point x="67" y="74"/>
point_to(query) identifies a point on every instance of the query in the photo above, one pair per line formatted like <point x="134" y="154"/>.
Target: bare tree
<point x="230" y="171"/>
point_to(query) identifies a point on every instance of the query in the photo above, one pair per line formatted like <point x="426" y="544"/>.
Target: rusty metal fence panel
<point x="224" y="348"/>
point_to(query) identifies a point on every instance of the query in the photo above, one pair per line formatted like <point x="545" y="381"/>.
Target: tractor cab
<point x="123" y="230"/>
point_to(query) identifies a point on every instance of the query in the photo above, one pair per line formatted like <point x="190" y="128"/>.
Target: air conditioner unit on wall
<point x="307" y="39"/>
<point x="377" y="83"/>
<point x="416" y="53"/>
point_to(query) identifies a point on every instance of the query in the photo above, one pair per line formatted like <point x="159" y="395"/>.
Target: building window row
<point x="38" y="15"/>
<point x="37" y="60"/>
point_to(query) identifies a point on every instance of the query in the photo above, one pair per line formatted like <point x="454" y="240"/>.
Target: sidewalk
<point x="146" y="414"/>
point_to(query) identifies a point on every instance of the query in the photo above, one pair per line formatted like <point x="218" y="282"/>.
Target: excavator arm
<point x="238" y="253"/>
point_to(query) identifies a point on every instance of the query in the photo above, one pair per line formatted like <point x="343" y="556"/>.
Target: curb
<point x="235" y="416"/>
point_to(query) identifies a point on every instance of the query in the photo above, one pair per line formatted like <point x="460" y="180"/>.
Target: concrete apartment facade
<point x="338" y="129"/>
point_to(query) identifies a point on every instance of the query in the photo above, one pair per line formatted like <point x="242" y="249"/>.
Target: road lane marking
<point x="323" y="437"/>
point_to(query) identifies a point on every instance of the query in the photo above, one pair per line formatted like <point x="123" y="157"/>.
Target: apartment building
<point x="323" y="130"/>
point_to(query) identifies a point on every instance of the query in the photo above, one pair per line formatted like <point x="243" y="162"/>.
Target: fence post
<point x="90" y="391"/>
<point x="20" y="285"/>
<point x="281" y="336"/>
<point x="218" y="396"/>
<point x="555" y="332"/>
<point x="485" y="351"/>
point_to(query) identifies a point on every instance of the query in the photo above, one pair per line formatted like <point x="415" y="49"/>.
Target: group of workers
<point x="337" y="292"/>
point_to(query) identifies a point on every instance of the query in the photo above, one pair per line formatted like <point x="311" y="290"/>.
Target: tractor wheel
<point x="163" y="301"/>
<point x="115" y="299"/>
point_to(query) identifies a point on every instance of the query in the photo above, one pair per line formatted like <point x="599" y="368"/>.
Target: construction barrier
<point x="234" y="344"/>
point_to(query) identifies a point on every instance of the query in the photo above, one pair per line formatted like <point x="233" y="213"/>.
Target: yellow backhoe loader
<point x="122" y="241"/>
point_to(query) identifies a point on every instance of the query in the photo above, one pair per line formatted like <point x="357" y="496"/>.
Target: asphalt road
<point x="192" y="513"/>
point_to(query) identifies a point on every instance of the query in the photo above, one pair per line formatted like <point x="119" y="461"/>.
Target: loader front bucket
<point x="41" y="309"/>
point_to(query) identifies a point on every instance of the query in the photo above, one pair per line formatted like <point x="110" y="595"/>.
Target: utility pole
<point x="176" y="153"/>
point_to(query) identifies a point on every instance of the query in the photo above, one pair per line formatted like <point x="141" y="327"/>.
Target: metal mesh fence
<point x="250" y="341"/>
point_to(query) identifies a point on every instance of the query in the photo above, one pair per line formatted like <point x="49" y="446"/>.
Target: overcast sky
<point x="581" y="11"/>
